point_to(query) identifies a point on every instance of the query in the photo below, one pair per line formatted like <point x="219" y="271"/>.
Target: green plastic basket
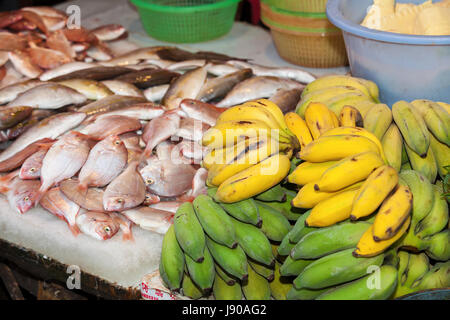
<point x="184" y="21"/>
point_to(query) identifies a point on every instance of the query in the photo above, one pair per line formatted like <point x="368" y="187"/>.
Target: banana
<point x="329" y="148"/>
<point x="438" y="246"/>
<point x="276" y="193"/>
<point x="274" y="225"/>
<point x="391" y="257"/>
<point x="291" y="267"/>
<point x="360" y="289"/>
<point x="373" y="191"/>
<point x="299" y="230"/>
<point x="412" y="126"/>
<point x="418" y="266"/>
<point x="171" y="265"/>
<point x="262" y="270"/>
<point x="190" y="289"/>
<point x="436" y="118"/>
<point x="328" y="240"/>
<point x="350" y="117"/>
<point x="229" y="279"/>
<point x="274" y="110"/>
<point x="285" y="246"/>
<point x="336" y="104"/>
<point x="215" y="221"/>
<point x="334" y="269"/>
<point x="244" y="210"/>
<point x="378" y="120"/>
<point x="304" y="294"/>
<point x="255" y="287"/>
<point x="364" y="106"/>
<point x="441" y="154"/>
<point x="308" y="172"/>
<point x="406" y="166"/>
<point x="225" y="291"/>
<point x="318" y="119"/>
<point x="254" y="242"/>
<point x="444" y="105"/>
<point x="189" y="232"/>
<point x="280" y="285"/>
<point x="332" y="210"/>
<point x="233" y="261"/>
<point x="437" y="218"/>
<point x="348" y="171"/>
<point x="427" y="165"/>
<point x="298" y="126"/>
<point x="436" y="278"/>
<point x="405" y="158"/>
<point x="285" y="208"/>
<point x="254" y="180"/>
<point x="202" y="273"/>
<point x="368" y="247"/>
<point x="392" y="143"/>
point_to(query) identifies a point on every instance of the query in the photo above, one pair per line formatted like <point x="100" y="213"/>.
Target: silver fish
<point x="97" y="53"/>
<point x="156" y="93"/>
<point x="130" y="140"/>
<point x="111" y="125"/>
<point x="135" y="56"/>
<point x="186" y="65"/>
<point x="109" y="32"/>
<point x="286" y="100"/>
<point x="160" y="129"/>
<point x="110" y="103"/>
<point x="31" y="168"/>
<point x="123" y="88"/>
<point x="48" y="96"/>
<point x="22" y="194"/>
<point x="125" y="225"/>
<point x="90" y="199"/>
<point x="171" y="206"/>
<point x="126" y="191"/>
<point x="151" y="219"/>
<point x="22" y="62"/>
<point x="11" y="92"/>
<point x="121" y="47"/>
<point x="191" y="129"/>
<point x="201" y="111"/>
<point x="142" y="111"/>
<point x="94" y="73"/>
<point x="220" y="70"/>
<point x="91" y="89"/>
<point x="160" y="63"/>
<point x="12" y="76"/>
<point x="65" y="69"/>
<point x="99" y="225"/>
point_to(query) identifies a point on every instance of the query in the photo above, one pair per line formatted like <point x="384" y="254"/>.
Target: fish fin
<point x="6" y="179"/>
<point x="83" y="187"/>
<point x="74" y="229"/>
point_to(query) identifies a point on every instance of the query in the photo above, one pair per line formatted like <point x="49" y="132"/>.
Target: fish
<point x="24" y="64"/>
<point x="21" y="195"/>
<point x="91" y="89"/>
<point x="46" y="11"/>
<point x="151" y="219"/>
<point x="11" y="92"/>
<point x="142" y="111"/>
<point x="31" y="167"/>
<point x="54" y="23"/>
<point x="21" y="127"/>
<point x="255" y="88"/>
<point x="216" y="88"/>
<point x="184" y="87"/>
<point x="186" y="65"/>
<point x="48" y="96"/>
<point x="177" y="54"/>
<point x="191" y="151"/>
<point x="65" y="69"/>
<point x="286" y="100"/>
<point x="90" y="199"/>
<point x="125" y="225"/>
<point x="105" y="162"/>
<point x="55" y="202"/>
<point x="99" y="52"/>
<point x="11" y="41"/>
<point x="135" y="56"/>
<point x="22" y="25"/>
<point x="98" y="225"/>
<point x="18" y="158"/>
<point x="151" y="198"/>
<point x="111" y="125"/>
<point x="160" y="129"/>
<point x="143" y="66"/>
<point x="109" y="32"/>
<point x="47" y="58"/>
<point x="148" y="77"/>
<point x="121" y="47"/>
<point x="171" y="206"/>
<point x="126" y="191"/>
<point x="160" y="63"/>
<point x="9" y="17"/>
<point x="110" y="103"/>
<point x="198" y="186"/>
<point x="10" y="116"/>
<point x="156" y="93"/>
<point x="198" y="110"/>
<point x="58" y="41"/>
<point x="4" y="57"/>
<point x="123" y="88"/>
<point x="79" y="34"/>
<point x="191" y="129"/>
<point x="94" y="73"/>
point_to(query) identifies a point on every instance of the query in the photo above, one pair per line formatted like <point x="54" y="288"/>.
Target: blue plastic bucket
<point x="405" y="67"/>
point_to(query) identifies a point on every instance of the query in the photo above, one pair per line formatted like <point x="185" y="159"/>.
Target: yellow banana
<point x="308" y="172"/>
<point x="373" y="191"/>
<point x="274" y="110"/>
<point x="336" y="104"/>
<point x="298" y="126"/>
<point x="378" y="120"/>
<point x="350" y="117"/>
<point x="444" y="105"/>
<point x="363" y="106"/>
<point x="254" y="180"/>
<point x="318" y="118"/>
<point x="427" y="166"/>
<point x="392" y="143"/>
<point x="436" y="118"/>
<point x="348" y="171"/>
<point x="331" y="210"/>
<point x="368" y="247"/>
<point x="441" y="154"/>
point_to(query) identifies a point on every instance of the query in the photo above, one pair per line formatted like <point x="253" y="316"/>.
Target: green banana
<point x="418" y="265"/>
<point x="441" y="154"/>
<point x="336" y="103"/>
<point x="189" y="232"/>
<point x="285" y="247"/>
<point x="261" y="269"/>
<point x="279" y="286"/>
<point x="436" y="118"/>
<point x="406" y="166"/>
<point x="360" y="289"/>
<point x="274" y="225"/>
<point x="412" y="126"/>
<point x="224" y="291"/>
<point x="276" y="193"/>
<point x="378" y="119"/>
<point x="328" y="240"/>
<point x="427" y="165"/>
<point x="234" y="261"/>
<point x="299" y="229"/>
<point x="304" y="294"/>
<point x="202" y="273"/>
<point x="171" y="264"/>
<point x="286" y="209"/>
<point x="335" y="269"/>
<point x="437" y="218"/>
<point x="392" y="143"/>
<point x="438" y="246"/>
<point x="254" y="242"/>
<point x="190" y="289"/>
<point x="215" y="221"/>
<point x="405" y="158"/>
<point x="402" y="266"/>
<point x="291" y="267"/>
<point x="255" y="287"/>
<point x="436" y="278"/>
<point x="229" y="279"/>
<point x="391" y="257"/>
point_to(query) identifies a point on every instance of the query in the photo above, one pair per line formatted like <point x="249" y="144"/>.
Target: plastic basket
<point x="184" y="21"/>
<point x="299" y="5"/>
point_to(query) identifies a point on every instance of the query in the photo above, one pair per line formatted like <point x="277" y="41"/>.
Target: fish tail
<point x="127" y="236"/>
<point x="74" y="229"/>
<point x="6" y="179"/>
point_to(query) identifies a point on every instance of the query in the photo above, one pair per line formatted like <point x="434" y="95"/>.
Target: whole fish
<point x="58" y="41"/>
<point x="125" y="225"/>
<point x="184" y="87"/>
<point x="255" y="88"/>
<point x="286" y="100"/>
<point x="22" y="25"/>
<point x="110" y="103"/>
<point x="135" y="56"/>
<point x="143" y="66"/>
<point x="160" y="63"/>
<point x="8" y="18"/>
<point x="23" y="63"/>
<point x="49" y="128"/>
<point x="11" y="41"/>
<point x="191" y="129"/>
<point x="123" y="88"/>
<point x="202" y="111"/>
<point x="12" y="76"/>
<point x="21" y="127"/>
<point x="156" y="93"/>
<point x="99" y="225"/>
<point x="11" y="92"/>
<point x="46" y="11"/>
<point x="48" y="96"/>
<point x="109" y="32"/>
<point x="31" y="168"/>
<point x="198" y="186"/>
<point x="64" y="159"/>
<point x="54" y="24"/>
<point x="121" y="47"/>
<point x="160" y="129"/>
<point x="151" y="219"/>
<point x="55" y="202"/>
<point x="47" y="58"/>
<point x="65" y="69"/>
<point x="22" y="194"/>
<point x="177" y="54"/>
<point x="99" y="52"/>
<point x="148" y="77"/>
<point x="126" y="191"/>
<point x="141" y="111"/>
<point x="111" y="125"/>
<point x="171" y="206"/>
<point x="191" y="151"/>
<point x="10" y="116"/>
<point x="91" y="89"/>
<point x="186" y="65"/>
<point x="164" y="150"/>
<point x="106" y="161"/>
<point x="130" y="140"/>
<point x="94" y="73"/>
<point x="216" y="88"/>
<point x="90" y="199"/>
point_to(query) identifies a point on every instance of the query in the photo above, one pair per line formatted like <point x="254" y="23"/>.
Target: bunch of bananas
<point x="250" y="150"/>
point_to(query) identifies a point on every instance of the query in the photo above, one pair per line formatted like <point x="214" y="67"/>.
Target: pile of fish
<point x="105" y="135"/>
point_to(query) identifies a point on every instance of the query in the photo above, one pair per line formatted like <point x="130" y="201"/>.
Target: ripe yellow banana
<point x="378" y="120"/>
<point x="392" y="143"/>
<point x="368" y="247"/>
<point x="392" y="214"/>
<point x="373" y="191"/>
<point x="335" y="119"/>
<point x="308" y="172"/>
<point x="363" y="106"/>
<point x="350" y="117"/>
<point x="427" y="166"/>
<point x="436" y="118"/>
<point x="254" y="180"/>
<point x="318" y="118"/>
<point x="336" y="104"/>
<point x="441" y="154"/>
<point x="444" y="105"/>
<point x="298" y="126"/>
<point x="274" y="110"/>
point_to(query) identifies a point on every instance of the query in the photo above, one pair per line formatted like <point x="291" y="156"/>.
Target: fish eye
<point x="120" y="200"/>
<point x="107" y="229"/>
<point x="32" y="169"/>
<point x="26" y="198"/>
<point x="117" y="142"/>
<point x="149" y="181"/>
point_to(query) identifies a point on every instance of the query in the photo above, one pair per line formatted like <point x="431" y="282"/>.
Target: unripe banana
<point x="444" y="105"/>
<point x="299" y="230"/>
<point x="329" y="148"/>
<point x="373" y="191"/>
<point x="412" y="127"/>
<point x="304" y="294"/>
<point x="437" y="218"/>
<point x="298" y="126"/>
<point x="280" y="285"/>
<point x="291" y="267"/>
<point x="285" y="208"/>
<point x="364" y="106"/>
<point x="350" y="117"/>
<point x="392" y="143"/>
<point x="256" y="287"/>
<point x="254" y="242"/>
<point x="318" y="119"/>
<point x="274" y="225"/>
<point x="190" y="289"/>
<point x="336" y="103"/>
<point x="229" y="279"/>
<point x="378" y="120"/>
<point x="438" y="246"/>
<point x="276" y="193"/>
<point x="261" y="269"/>
<point x="436" y="278"/>
<point x="285" y="247"/>
<point x="225" y="291"/>
<point x="441" y="154"/>
<point x="215" y="221"/>
<point x="348" y="171"/>
<point x="427" y="165"/>
<point x="436" y="118"/>
<point x="189" y="232"/>
<point x="308" y="172"/>
<point x="202" y="273"/>
<point x="406" y="166"/>
<point x="368" y="247"/>
<point x="334" y="269"/>
<point x="360" y="289"/>
<point x="171" y="265"/>
<point x="418" y="266"/>
<point x="328" y="240"/>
